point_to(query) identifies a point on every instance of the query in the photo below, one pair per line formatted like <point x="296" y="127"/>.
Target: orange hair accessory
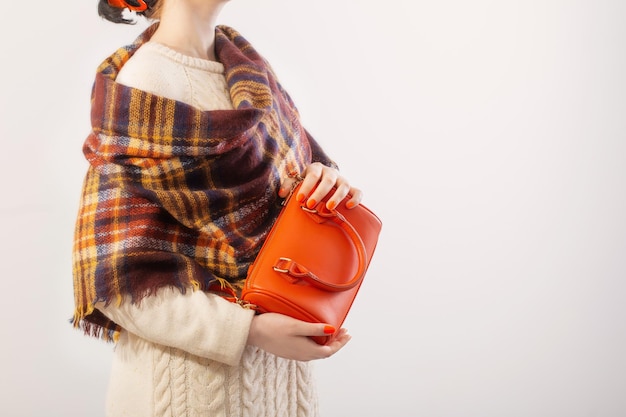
<point x="122" y="4"/>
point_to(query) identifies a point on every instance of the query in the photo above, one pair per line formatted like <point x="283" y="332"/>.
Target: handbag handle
<point x="320" y="215"/>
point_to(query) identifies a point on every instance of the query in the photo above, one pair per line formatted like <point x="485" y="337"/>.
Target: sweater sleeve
<point x="200" y="323"/>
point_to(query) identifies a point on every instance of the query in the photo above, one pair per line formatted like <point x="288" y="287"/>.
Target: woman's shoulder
<point x="151" y="69"/>
<point x="162" y="71"/>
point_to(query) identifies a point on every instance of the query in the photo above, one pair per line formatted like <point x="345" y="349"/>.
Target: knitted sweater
<point x="185" y="354"/>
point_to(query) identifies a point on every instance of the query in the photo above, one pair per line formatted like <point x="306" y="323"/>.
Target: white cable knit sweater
<point x="186" y="354"/>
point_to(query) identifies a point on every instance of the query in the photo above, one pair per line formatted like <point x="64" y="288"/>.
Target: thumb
<point x="325" y="330"/>
<point x="316" y="329"/>
<point x="286" y="186"/>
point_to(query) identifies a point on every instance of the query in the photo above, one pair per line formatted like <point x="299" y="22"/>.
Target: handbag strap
<point x="320" y="214"/>
<point x="227" y="292"/>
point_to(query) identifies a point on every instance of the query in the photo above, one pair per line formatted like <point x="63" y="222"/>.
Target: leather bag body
<point x="313" y="262"/>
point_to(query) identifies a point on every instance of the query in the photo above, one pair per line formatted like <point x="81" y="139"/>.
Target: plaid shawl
<point x="179" y="197"/>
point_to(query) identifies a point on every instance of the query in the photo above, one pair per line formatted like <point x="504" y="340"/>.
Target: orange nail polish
<point x="311" y="203"/>
<point x="300" y="198"/>
<point x="331" y="205"/>
<point x="329" y="329"/>
<point x="350" y="204"/>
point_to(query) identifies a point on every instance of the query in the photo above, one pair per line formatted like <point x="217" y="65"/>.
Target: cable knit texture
<point x="194" y="81"/>
<point x="185" y="354"/>
<point x="150" y="380"/>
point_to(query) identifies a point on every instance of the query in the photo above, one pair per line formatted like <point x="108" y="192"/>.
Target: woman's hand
<point x="288" y="338"/>
<point x="319" y="181"/>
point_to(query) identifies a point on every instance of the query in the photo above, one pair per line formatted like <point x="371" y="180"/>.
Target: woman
<point x="194" y="145"/>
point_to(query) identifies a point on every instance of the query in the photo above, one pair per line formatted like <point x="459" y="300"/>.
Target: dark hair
<point x="118" y="15"/>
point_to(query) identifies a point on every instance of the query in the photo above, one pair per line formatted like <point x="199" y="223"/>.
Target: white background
<point x="490" y="137"/>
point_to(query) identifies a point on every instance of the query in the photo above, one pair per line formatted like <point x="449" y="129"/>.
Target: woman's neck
<point x="188" y="27"/>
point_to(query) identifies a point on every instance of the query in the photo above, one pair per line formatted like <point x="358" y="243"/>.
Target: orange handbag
<point x="313" y="262"/>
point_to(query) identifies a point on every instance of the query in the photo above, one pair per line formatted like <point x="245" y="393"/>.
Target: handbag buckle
<point x="278" y="268"/>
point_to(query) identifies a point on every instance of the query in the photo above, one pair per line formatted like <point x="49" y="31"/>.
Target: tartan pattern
<point x="175" y="196"/>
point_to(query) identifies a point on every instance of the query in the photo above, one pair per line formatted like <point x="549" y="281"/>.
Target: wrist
<point x="253" y="332"/>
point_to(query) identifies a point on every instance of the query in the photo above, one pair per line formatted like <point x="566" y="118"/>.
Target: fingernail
<point x="350" y="204"/>
<point x="329" y="329"/>
<point x="311" y="203"/>
<point x="331" y="205"/>
<point x="300" y="198"/>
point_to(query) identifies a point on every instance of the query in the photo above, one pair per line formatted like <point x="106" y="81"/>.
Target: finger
<point x="356" y="196"/>
<point x="351" y="196"/>
<point x="312" y="176"/>
<point x="340" y="194"/>
<point x="286" y="186"/>
<point x="328" y="180"/>
<point x="338" y="342"/>
<point x="324" y="330"/>
<point x="308" y="329"/>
